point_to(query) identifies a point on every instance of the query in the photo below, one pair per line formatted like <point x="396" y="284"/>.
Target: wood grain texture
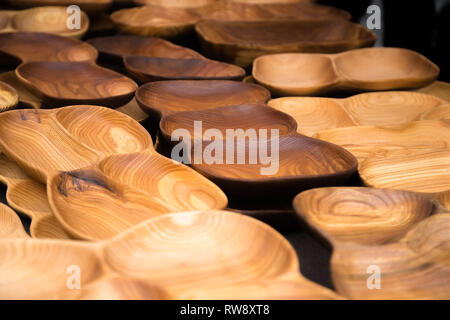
<point x="375" y="108"/>
<point x="303" y="163"/>
<point x="90" y="6"/>
<point x="9" y="97"/>
<point x="241" y="42"/>
<point x="165" y="97"/>
<point x="438" y="89"/>
<point x="10" y="224"/>
<point x="359" y="69"/>
<point x="67" y="83"/>
<point x="255" y="263"/>
<point x="133" y="110"/>
<point x="26" y="98"/>
<point x="156" y="21"/>
<point x="176" y="3"/>
<point x="148" y="69"/>
<point x="35" y="46"/>
<point x="48" y="19"/>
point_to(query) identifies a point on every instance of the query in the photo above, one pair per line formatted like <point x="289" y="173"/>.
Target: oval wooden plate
<point x="156" y="21"/>
<point x="8" y="97"/>
<point x="312" y="74"/>
<point x="19" y="47"/>
<point x="375" y="108"/>
<point x="91" y="7"/>
<point x="165" y="97"/>
<point x="45" y="19"/>
<point x="241" y="42"/>
<point x="148" y="69"/>
<point x="67" y="83"/>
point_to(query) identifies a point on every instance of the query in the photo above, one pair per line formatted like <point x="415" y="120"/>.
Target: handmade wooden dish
<point x="157" y="21"/>
<point x="86" y="152"/>
<point x="302" y="163"/>
<point x="30" y="198"/>
<point x="241" y="42"/>
<point x="24" y="47"/>
<point x="165" y="97"/>
<point x="413" y="156"/>
<point x="43" y="19"/>
<point x="147" y="69"/>
<point x="392" y="231"/>
<point x="66" y="83"/>
<point x="246" y="259"/>
<point x="89" y="6"/>
<point x="361" y="69"/>
<point x="8" y="97"/>
<point x="10" y="225"/>
<point x="376" y="108"/>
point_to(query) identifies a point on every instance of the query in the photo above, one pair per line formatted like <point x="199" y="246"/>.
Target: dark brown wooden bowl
<point x="165" y="97"/>
<point x="20" y="47"/>
<point x="71" y="83"/>
<point x="241" y="42"/>
<point x="147" y="69"/>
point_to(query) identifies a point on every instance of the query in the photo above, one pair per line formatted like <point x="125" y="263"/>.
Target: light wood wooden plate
<point x="213" y="255"/>
<point x="376" y="108"/>
<point x="241" y="42"/>
<point x="395" y="232"/>
<point x="92" y="7"/>
<point x="360" y="69"/>
<point x="44" y="19"/>
<point x="9" y="97"/>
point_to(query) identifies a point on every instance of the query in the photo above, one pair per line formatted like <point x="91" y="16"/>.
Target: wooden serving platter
<point x="396" y="232"/>
<point x="246" y="258"/>
<point x="356" y="70"/>
<point x="9" y="97"/>
<point x="241" y="42"/>
<point x="88" y="151"/>
<point x="375" y="108"/>
<point x="92" y="7"/>
<point x="42" y="19"/>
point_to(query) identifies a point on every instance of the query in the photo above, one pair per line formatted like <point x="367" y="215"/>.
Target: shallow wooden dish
<point x="157" y="21"/>
<point x="375" y="108"/>
<point x="30" y="198"/>
<point x="10" y="225"/>
<point x="165" y="97"/>
<point x="44" y="19"/>
<point x="89" y="6"/>
<point x="148" y="69"/>
<point x="66" y="83"/>
<point x="241" y="42"/>
<point x="9" y="97"/>
<point x="396" y="231"/>
<point x="303" y="163"/>
<point x="24" y="47"/>
<point x="438" y="89"/>
<point x="246" y="259"/>
<point x="362" y="69"/>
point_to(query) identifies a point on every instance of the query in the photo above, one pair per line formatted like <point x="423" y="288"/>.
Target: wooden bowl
<point x="361" y="215"/>
<point x="24" y="47"/>
<point x="165" y="97"/>
<point x="157" y="21"/>
<point x="302" y="163"/>
<point x="147" y="69"/>
<point x="375" y="108"/>
<point x="10" y="225"/>
<point x="115" y="48"/>
<point x="241" y="42"/>
<point x="361" y="69"/>
<point x="91" y="7"/>
<point x="438" y="89"/>
<point x="8" y="97"/>
<point x="59" y="83"/>
<point x="45" y="19"/>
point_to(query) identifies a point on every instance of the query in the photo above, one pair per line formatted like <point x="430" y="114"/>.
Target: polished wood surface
<point x="439" y="89"/>
<point x="10" y="224"/>
<point x="49" y="19"/>
<point x="60" y="83"/>
<point x="9" y="97"/>
<point x="166" y="97"/>
<point x="25" y="97"/>
<point x="241" y="42"/>
<point x="148" y="69"/>
<point x="375" y="108"/>
<point x="89" y="6"/>
<point x="35" y="46"/>
<point x="360" y="69"/>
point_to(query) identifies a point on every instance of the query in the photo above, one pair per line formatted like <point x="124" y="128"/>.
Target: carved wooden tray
<point x="362" y="69"/>
<point x="241" y="42"/>
<point x="397" y="233"/>
<point x="196" y="255"/>
<point x="87" y="151"/>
